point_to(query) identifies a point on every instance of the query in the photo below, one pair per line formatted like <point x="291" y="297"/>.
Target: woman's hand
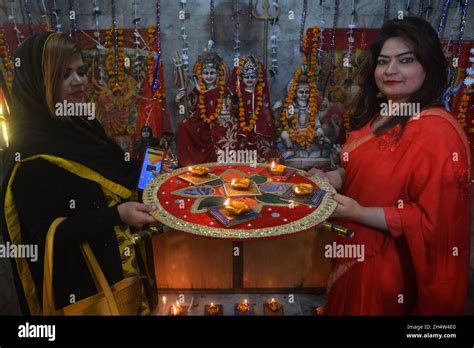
<point x="347" y="208"/>
<point x="333" y="177"/>
<point x="135" y="214"/>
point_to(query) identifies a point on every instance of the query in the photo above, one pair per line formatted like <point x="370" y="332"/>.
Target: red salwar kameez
<point x="421" y="179"/>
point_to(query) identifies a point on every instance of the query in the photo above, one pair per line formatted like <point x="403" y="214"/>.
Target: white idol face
<point x="250" y="80"/>
<point x="209" y="75"/>
<point x="302" y="92"/>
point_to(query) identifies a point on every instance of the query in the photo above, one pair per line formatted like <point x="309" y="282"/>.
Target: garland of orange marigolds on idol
<point x="202" y="88"/>
<point x="304" y="139"/>
<point x="115" y="61"/>
<point x="258" y="108"/>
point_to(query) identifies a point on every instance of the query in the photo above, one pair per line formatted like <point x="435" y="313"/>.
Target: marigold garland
<point x="6" y="58"/>
<point x="310" y="47"/>
<point x="202" y="87"/>
<point x="153" y="42"/>
<point x="116" y="80"/>
<point x="304" y="139"/>
<point x="463" y="110"/>
<point x="258" y="108"/>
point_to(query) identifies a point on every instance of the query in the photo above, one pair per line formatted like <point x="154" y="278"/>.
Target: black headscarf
<point x="35" y="131"/>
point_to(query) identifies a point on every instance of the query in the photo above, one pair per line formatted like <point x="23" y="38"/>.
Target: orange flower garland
<point x="152" y="44"/>
<point x="258" y="108"/>
<point x="202" y="88"/>
<point x="115" y="82"/>
<point x="310" y="47"/>
<point x="304" y="139"/>
<point x="463" y="110"/>
<point x="6" y="59"/>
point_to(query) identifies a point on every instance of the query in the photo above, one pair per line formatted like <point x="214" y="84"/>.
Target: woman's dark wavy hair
<point x="424" y="41"/>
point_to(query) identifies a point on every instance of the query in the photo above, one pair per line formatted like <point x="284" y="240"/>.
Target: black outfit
<point x="43" y="191"/>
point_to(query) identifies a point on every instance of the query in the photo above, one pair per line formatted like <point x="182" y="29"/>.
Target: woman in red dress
<point x="405" y="186"/>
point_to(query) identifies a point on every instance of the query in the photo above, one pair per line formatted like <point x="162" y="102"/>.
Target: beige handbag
<point x="123" y="298"/>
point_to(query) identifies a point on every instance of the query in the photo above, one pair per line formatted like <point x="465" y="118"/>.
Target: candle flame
<point x="175" y="310"/>
<point x="233" y="182"/>
<point x="273" y="300"/>
<point x="164" y="299"/>
<point x="273" y="164"/>
<point x="227" y="201"/>
<point x="297" y="190"/>
<point x="212" y="304"/>
<point x="245" y="301"/>
<point x="190" y="169"/>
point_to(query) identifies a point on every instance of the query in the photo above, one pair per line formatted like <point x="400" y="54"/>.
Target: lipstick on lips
<point x="391" y="82"/>
<point x="78" y="94"/>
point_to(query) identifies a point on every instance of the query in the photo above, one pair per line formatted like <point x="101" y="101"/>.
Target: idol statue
<point x="303" y="142"/>
<point x="209" y="126"/>
<point x="251" y="103"/>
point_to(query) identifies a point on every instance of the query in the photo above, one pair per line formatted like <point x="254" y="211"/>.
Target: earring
<point x="380" y="95"/>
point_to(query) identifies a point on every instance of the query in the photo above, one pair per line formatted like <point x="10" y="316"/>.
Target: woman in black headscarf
<point x="64" y="166"/>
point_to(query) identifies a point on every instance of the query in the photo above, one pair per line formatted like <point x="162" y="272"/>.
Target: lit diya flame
<point x="243" y="307"/>
<point x="302" y="189"/>
<point x="277" y="168"/>
<point x="213" y="309"/>
<point x="274" y="305"/>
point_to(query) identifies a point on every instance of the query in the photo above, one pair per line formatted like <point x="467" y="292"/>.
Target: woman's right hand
<point x="135" y="214"/>
<point x="333" y="177"/>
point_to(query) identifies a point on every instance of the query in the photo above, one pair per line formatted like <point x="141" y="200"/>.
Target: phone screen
<point x="153" y="160"/>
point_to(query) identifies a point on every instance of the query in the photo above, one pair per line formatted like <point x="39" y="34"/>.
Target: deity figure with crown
<point x="251" y="103"/>
<point x="303" y="142"/>
<point x="210" y="126"/>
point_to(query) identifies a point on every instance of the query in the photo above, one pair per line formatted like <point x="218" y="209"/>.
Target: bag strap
<point x="49" y="307"/>
<point x="99" y="278"/>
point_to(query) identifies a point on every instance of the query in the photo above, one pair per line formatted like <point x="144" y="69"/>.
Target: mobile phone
<point x="153" y="160"/>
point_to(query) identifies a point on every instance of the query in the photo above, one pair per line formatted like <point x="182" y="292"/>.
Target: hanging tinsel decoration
<point x="333" y="42"/>
<point x="72" y="18"/>
<point x="386" y="10"/>
<point x="320" y="50"/>
<point x="408" y="7"/>
<point x="444" y="17"/>
<point x="184" y="36"/>
<point x="421" y="8"/>
<point x="115" y="59"/>
<point x="303" y="23"/>
<point x="97" y="12"/>
<point x="18" y="33"/>
<point x="428" y="10"/>
<point x="6" y="57"/>
<point x="453" y="29"/>
<point x="350" y="40"/>
<point x="137" y="43"/>
<point x="26" y="5"/>
<point x="44" y="16"/>
<point x="155" y="82"/>
<point x="250" y="6"/>
<point x="54" y="14"/>
<point x="236" y="12"/>
<point x="213" y="25"/>
<point x="462" y="25"/>
<point x="274" y="44"/>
